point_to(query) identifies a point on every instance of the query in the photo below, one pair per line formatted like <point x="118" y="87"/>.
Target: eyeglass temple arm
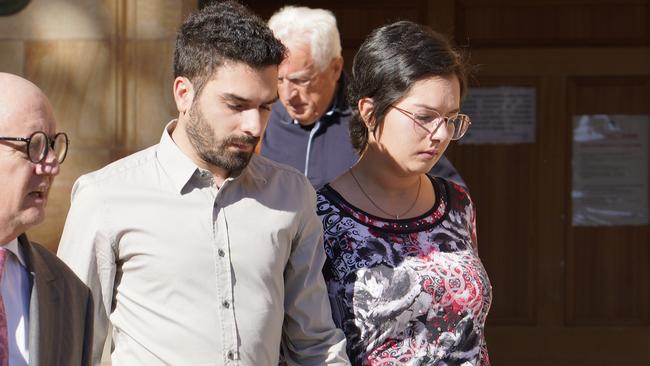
<point x="14" y="139"/>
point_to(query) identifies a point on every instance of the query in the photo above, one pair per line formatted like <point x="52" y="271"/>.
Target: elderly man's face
<point x="305" y="91"/>
<point x="24" y="185"/>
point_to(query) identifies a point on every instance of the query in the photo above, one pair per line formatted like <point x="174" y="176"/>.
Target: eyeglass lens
<point x="38" y="146"/>
<point x="457" y="127"/>
<point x="60" y="146"/>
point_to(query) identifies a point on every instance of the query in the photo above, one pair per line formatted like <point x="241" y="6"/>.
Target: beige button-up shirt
<point x="189" y="274"/>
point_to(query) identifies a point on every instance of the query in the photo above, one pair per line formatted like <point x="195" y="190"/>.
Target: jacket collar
<point x="32" y="261"/>
<point x="340" y="106"/>
<point x="46" y="290"/>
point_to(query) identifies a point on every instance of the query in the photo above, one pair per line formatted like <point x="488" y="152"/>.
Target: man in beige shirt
<point x="198" y="251"/>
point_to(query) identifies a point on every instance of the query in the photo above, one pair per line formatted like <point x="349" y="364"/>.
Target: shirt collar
<point x="12" y="246"/>
<point x="340" y="105"/>
<point x="180" y="168"/>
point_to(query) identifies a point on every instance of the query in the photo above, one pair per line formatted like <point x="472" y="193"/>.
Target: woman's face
<point x="411" y="135"/>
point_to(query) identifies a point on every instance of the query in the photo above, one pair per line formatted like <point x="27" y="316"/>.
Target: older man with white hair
<point x="308" y="127"/>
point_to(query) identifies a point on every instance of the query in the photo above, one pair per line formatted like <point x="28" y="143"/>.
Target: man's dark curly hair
<point x="220" y="32"/>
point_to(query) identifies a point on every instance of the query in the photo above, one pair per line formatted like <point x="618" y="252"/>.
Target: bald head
<point x="20" y="98"/>
<point x="24" y="187"/>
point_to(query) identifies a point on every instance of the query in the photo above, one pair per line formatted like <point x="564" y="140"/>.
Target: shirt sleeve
<point x="309" y="334"/>
<point x="87" y="249"/>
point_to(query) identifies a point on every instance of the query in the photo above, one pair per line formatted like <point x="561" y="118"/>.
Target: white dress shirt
<point x="189" y="274"/>
<point x="16" y="292"/>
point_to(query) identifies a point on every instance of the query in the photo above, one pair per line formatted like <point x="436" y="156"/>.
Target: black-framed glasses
<point x="456" y="125"/>
<point x="39" y="144"/>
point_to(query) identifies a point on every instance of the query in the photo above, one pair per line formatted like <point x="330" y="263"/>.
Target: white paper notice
<point x="500" y="115"/>
<point x="610" y="170"/>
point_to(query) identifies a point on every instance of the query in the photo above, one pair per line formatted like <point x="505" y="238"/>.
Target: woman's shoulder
<point x="452" y="191"/>
<point x="325" y="193"/>
<point x="333" y="193"/>
<point x="327" y="200"/>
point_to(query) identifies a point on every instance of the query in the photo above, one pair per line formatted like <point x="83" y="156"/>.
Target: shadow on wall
<point x="106" y="67"/>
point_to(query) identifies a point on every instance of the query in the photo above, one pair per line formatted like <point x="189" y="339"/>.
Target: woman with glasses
<point x="404" y="278"/>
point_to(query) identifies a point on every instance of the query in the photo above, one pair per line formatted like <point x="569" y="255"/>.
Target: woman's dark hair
<point x="219" y="32"/>
<point x="390" y="60"/>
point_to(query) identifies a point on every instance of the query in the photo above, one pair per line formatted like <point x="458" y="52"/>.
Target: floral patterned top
<point x="407" y="292"/>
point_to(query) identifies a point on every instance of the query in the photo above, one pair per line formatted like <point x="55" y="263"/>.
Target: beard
<point x="213" y="150"/>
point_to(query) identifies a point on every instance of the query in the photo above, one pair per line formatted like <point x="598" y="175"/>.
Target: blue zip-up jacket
<point x="322" y="151"/>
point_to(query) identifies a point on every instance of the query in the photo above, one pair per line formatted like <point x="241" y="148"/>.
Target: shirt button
<point x="221" y="252"/>
<point x="231" y="356"/>
<point x="226" y="304"/>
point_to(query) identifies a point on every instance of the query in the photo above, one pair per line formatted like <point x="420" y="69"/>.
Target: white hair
<point x="313" y="27"/>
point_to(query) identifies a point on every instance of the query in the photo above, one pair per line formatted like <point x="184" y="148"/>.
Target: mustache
<point x="241" y="140"/>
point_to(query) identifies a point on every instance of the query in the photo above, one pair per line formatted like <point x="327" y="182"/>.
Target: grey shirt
<point x="189" y="274"/>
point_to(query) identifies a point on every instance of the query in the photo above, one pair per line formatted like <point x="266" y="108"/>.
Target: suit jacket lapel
<point x="45" y="295"/>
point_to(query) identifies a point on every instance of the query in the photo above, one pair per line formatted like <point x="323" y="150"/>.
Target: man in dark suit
<point x="45" y="310"/>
